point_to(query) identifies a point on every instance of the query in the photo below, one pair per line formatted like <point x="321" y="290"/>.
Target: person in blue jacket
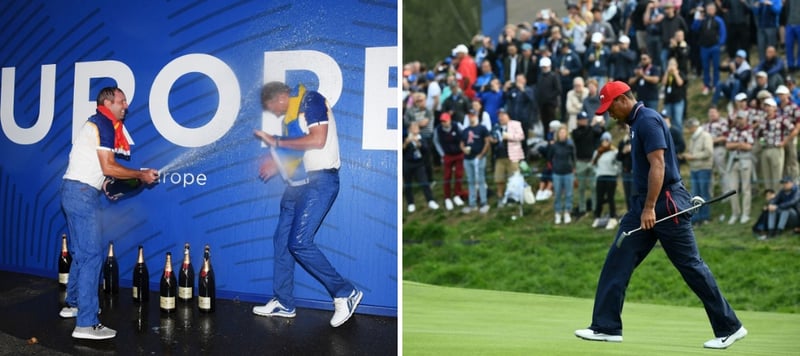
<point x="711" y="33"/>
<point x="657" y="192"/>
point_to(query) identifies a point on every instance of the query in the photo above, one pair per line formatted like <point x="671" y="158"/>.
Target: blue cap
<point x="412" y="78"/>
<point x="664" y="113"/>
<point x="786" y="179"/>
<point x="527" y="46"/>
<point x="741" y="53"/>
<point x="606" y="136"/>
<point x="430" y="75"/>
<point x="583" y="115"/>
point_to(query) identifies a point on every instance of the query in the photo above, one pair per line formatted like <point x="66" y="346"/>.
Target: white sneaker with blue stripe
<point x="274" y="308"/>
<point x="345" y="307"/>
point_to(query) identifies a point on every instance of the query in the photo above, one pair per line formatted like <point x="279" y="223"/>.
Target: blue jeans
<point x="678" y="242"/>
<point x="675" y="111"/>
<point x="81" y="204"/>
<point x="701" y="186"/>
<point x="562" y="185"/>
<point x="792" y="41"/>
<point x="710" y="56"/>
<point x="728" y="89"/>
<point x="302" y="210"/>
<point x="476" y="175"/>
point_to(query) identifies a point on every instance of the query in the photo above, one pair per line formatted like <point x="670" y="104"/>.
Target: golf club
<point x="697" y="202"/>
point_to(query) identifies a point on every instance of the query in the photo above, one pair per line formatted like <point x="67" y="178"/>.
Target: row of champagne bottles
<point x="172" y="289"/>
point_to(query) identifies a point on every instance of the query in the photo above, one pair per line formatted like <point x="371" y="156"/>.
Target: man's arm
<point x="111" y="168"/>
<point x="655" y="181"/>
<point x="316" y="139"/>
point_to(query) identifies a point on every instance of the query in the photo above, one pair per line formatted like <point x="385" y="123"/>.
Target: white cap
<point x="770" y="102"/>
<point x="761" y="74"/>
<point x="544" y="62"/>
<point x="624" y="39"/>
<point x="740" y="97"/>
<point x="782" y="89"/>
<point x="460" y="49"/>
<point x="597" y="37"/>
<point x="554" y="125"/>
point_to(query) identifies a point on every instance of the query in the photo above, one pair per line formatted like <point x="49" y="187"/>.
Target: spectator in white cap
<point x="761" y="85"/>
<point x="606" y="170"/>
<point x="718" y="128"/>
<point x="548" y="92"/>
<point x="740" y="143"/>
<point x="596" y="59"/>
<point x="738" y="79"/>
<point x="622" y="60"/>
<point x="466" y="67"/>
<point x="789" y="110"/>
<point x="774" y="130"/>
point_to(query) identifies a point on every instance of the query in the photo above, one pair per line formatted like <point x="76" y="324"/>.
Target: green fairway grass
<point x="453" y="321"/>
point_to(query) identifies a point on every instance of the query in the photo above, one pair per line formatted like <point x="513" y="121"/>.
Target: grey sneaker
<point x="97" y="332"/>
<point x="274" y="308"/>
<point x="68" y="312"/>
<point x="345" y="307"/>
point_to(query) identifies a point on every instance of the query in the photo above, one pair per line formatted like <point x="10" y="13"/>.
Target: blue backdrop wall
<point x="192" y="72"/>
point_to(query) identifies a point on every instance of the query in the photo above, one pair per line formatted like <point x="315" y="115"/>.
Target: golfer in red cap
<point x="657" y="192"/>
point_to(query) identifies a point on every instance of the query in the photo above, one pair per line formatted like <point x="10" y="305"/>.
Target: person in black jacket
<point x="447" y="140"/>
<point x="586" y="139"/>
<point x="548" y="92"/>
<point x="782" y="209"/>
<point x="414" y="151"/>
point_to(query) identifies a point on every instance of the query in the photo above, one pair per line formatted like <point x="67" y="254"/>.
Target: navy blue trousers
<point x="677" y="239"/>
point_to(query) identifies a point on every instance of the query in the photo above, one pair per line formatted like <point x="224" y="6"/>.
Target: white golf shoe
<point x="589" y="334"/>
<point x="724" y="342"/>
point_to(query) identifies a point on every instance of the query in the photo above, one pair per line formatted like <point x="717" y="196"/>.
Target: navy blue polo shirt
<point x="649" y="132"/>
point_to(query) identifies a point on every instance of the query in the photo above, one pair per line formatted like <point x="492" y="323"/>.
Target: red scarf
<point x="121" y="145"/>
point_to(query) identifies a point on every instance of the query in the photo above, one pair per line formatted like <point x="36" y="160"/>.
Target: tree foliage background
<point x="431" y="28"/>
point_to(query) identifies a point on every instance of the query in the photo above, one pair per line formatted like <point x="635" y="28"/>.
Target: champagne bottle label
<point x="135" y="292"/>
<point x="63" y="278"/>
<point x="204" y="302"/>
<point x="167" y="302"/>
<point x="185" y="292"/>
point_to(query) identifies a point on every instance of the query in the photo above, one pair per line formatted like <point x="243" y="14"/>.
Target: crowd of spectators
<point x="524" y="101"/>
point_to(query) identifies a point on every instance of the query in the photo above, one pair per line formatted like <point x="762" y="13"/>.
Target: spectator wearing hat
<point x="596" y="62"/>
<point x="548" y="92"/>
<point x="669" y="24"/>
<point x="791" y="111"/>
<point x="782" y="209"/>
<point x="700" y="155"/>
<point x="674" y="93"/>
<point x="772" y="131"/>
<point x="774" y="66"/>
<point x="506" y="139"/>
<point x="447" y="140"/>
<point x="645" y="81"/>
<point x="466" y="68"/>
<point x="760" y="87"/>
<point x="738" y="79"/>
<point x="606" y="168"/>
<point x="711" y="32"/>
<point x="529" y="64"/>
<point x="475" y="145"/>
<point x="575" y="98"/>
<point x="766" y="17"/>
<point x="622" y="60"/>
<point x="739" y="145"/>
<point x="586" y="139"/>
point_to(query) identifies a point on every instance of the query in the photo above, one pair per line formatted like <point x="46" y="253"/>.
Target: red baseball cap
<point x="610" y="92"/>
<point x="444" y="117"/>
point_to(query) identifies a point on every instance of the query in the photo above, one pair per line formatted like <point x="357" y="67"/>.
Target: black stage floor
<point x="29" y="307"/>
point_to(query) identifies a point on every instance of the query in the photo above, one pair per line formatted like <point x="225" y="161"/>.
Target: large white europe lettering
<point x="379" y="97"/>
<point x="33" y="134"/>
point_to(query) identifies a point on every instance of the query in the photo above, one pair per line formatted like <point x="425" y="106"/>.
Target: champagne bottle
<point x="111" y="272"/>
<point x="186" y="277"/>
<point x="141" y="279"/>
<point x="206" y="295"/>
<point x="168" y="288"/>
<point x="64" y="261"/>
